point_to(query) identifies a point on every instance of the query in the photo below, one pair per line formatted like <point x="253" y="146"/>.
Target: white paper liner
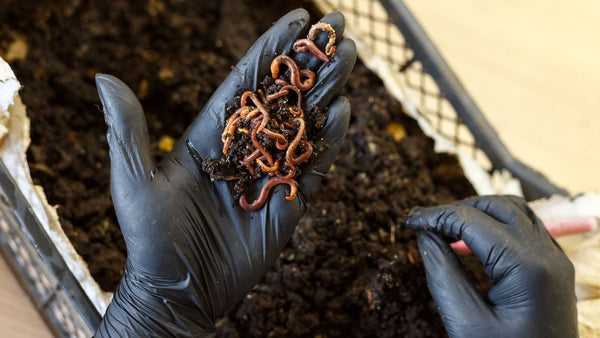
<point x="583" y="250"/>
<point x="14" y="140"/>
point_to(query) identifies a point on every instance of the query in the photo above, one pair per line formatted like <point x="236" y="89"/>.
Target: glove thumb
<point x="457" y="299"/>
<point x="127" y="136"/>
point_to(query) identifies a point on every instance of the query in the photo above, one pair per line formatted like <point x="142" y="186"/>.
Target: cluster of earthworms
<point x="278" y="136"/>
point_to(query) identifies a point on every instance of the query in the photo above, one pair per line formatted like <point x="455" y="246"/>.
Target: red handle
<point x="556" y="229"/>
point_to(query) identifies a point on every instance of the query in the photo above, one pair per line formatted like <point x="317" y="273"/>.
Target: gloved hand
<point x="192" y="252"/>
<point x="534" y="284"/>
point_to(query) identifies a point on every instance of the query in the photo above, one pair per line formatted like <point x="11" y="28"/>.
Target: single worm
<point x="253" y="156"/>
<point x="309" y="46"/>
<point x="259" y="146"/>
<point x="292" y="171"/>
<point x="304" y="156"/>
<point x="248" y="161"/>
<point x="281" y="93"/>
<point x="294" y="72"/>
<point x="228" y="133"/>
<point x="285" y="90"/>
<point x="286" y="124"/>
<point x="266" y="168"/>
<point x="281" y="82"/>
<point x="289" y="154"/>
<point x="281" y="142"/>
<point x="299" y="113"/>
<point x="264" y="112"/>
<point x="245" y="97"/>
<point x="321" y="26"/>
<point x="251" y="114"/>
<point x="233" y="119"/>
<point x="264" y="193"/>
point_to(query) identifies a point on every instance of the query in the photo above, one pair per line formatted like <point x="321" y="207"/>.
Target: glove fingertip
<point x="416" y="219"/>
<point x="109" y="85"/>
<point x="127" y="133"/>
<point x="298" y="17"/>
<point x="339" y="117"/>
<point x="327" y="145"/>
<point x="441" y="264"/>
<point x="332" y="76"/>
<point x="434" y="249"/>
<point x="300" y="14"/>
<point x="346" y="53"/>
<point x="116" y="97"/>
<point x="446" y="279"/>
<point x="331" y="137"/>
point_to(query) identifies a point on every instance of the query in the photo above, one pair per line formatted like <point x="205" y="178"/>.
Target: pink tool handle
<point x="556" y="229"/>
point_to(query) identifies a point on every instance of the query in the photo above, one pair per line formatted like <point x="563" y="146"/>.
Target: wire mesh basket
<point x="393" y="45"/>
<point x="40" y="266"/>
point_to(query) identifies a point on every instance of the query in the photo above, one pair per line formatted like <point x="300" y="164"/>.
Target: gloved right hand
<point x="534" y="285"/>
<point x="192" y="252"/>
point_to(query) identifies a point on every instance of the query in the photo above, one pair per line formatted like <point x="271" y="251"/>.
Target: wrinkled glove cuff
<point x="137" y="310"/>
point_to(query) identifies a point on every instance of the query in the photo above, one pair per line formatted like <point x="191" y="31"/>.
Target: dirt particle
<point x="17" y="49"/>
<point x="166" y="143"/>
<point x="396" y="130"/>
<point x="143" y="88"/>
<point x="155" y="7"/>
<point x="165" y="73"/>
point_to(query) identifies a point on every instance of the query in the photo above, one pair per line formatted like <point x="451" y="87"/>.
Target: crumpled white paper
<point x="584" y="252"/>
<point x="14" y="140"/>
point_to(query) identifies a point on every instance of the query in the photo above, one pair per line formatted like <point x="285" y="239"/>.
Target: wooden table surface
<point x="18" y="317"/>
<point x="533" y="66"/>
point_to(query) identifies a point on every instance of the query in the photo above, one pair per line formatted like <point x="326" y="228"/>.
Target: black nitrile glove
<point x="534" y="282"/>
<point x="192" y="252"/>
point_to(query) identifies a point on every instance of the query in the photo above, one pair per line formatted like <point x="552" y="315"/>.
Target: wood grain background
<point x="533" y="66"/>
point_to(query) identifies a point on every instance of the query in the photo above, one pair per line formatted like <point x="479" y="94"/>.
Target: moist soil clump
<point x="350" y="269"/>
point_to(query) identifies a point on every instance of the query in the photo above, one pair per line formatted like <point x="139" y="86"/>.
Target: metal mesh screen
<point x="385" y="50"/>
<point x="51" y="299"/>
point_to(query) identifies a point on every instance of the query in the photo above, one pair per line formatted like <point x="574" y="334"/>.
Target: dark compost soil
<point x="350" y="268"/>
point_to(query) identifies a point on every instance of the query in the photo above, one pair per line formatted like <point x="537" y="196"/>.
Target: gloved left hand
<point x="534" y="281"/>
<point x="192" y="252"/>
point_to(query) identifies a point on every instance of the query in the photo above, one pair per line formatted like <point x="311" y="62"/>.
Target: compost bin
<point x="415" y="139"/>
